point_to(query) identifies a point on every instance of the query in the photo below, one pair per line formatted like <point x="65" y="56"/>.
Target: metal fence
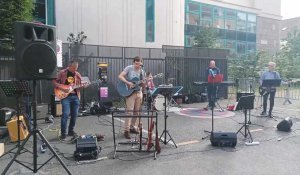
<point x="180" y="66"/>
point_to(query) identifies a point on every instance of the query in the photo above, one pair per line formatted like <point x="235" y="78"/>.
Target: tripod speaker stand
<point x="245" y="103"/>
<point x="34" y="133"/>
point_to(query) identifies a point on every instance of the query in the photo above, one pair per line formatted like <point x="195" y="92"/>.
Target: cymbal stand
<point x="165" y="131"/>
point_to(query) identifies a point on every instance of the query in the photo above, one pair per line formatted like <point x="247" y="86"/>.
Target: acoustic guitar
<point x="125" y="91"/>
<point x="61" y="94"/>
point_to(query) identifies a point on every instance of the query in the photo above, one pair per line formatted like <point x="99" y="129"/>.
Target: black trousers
<point x="265" y="100"/>
<point x="211" y="94"/>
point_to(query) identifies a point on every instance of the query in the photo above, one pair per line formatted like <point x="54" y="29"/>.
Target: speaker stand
<point x="34" y="133"/>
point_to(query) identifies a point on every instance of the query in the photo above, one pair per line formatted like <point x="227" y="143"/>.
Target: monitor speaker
<point x="223" y="139"/>
<point x="285" y="125"/>
<point x="35" y="51"/>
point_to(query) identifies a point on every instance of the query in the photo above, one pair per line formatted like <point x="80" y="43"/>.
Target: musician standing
<point x="212" y="70"/>
<point x="70" y="104"/>
<point x="270" y="74"/>
<point x="134" y="101"/>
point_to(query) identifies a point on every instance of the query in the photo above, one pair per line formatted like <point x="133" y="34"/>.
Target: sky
<point x="290" y="8"/>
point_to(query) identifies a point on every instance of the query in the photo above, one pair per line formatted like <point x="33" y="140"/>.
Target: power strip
<point x="251" y="143"/>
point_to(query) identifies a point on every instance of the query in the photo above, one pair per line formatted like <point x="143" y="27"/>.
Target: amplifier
<point x="5" y="115"/>
<point x="13" y="129"/>
<point x="86" y="148"/>
<point x="223" y="139"/>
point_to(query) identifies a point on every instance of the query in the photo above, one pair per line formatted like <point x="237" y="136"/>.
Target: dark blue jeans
<point x="70" y="106"/>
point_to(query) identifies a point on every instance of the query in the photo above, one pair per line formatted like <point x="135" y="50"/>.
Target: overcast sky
<point x="290" y="8"/>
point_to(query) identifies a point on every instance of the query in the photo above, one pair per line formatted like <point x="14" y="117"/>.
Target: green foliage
<point x="288" y="59"/>
<point x="206" y="37"/>
<point x="12" y="11"/>
<point x="249" y="66"/>
<point x="76" y="39"/>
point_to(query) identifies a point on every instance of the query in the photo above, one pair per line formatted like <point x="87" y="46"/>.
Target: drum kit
<point x="157" y="102"/>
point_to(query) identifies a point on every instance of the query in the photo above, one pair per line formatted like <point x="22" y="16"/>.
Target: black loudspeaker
<point x="223" y="139"/>
<point x="285" y="125"/>
<point x="35" y="51"/>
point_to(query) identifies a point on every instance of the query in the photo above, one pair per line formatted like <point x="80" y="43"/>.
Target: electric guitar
<point x="265" y="90"/>
<point x="61" y="94"/>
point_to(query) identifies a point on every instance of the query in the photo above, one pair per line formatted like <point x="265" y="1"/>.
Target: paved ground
<point x="277" y="153"/>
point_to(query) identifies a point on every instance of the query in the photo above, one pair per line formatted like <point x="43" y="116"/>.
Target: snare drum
<point x="159" y="102"/>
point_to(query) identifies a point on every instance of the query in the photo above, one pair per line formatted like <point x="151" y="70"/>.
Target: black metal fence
<point x="180" y="66"/>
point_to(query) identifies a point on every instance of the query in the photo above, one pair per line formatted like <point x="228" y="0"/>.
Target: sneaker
<point x="263" y="113"/>
<point x="63" y="137"/>
<point x="133" y="131"/>
<point x="72" y="133"/>
<point x="127" y="135"/>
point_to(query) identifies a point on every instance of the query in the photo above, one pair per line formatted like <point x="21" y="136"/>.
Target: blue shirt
<point x="269" y="75"/>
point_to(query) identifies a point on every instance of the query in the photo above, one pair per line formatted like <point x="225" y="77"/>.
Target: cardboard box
<point x="1" y="149"/>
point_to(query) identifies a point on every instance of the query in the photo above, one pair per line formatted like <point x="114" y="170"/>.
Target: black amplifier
<point x="86" y="148"/>
<point x="223" y="139"/>
<point x="5" y="115"/>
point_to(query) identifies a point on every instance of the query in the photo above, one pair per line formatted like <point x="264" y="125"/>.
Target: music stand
<point x="271" y="83"/>
<point x="15" y="89"/>
<point x="245" y="103"/>
<point x="165" y="91"/>
<point x="34" y="133"/>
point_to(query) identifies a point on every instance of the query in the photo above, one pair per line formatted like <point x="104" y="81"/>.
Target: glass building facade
<point x="44" y="11"/>
<point x="236" y="29"/>
<point x="150" y="17"/>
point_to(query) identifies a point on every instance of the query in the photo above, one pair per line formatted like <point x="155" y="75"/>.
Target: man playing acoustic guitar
<point x="133" y="100"/>
<point x="269" y="75"/>
<point x="70" y="104"/>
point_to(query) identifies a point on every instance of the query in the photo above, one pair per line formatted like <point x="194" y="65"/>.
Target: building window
<point x="206" y="12"/>
<point x="241" y="48"/>
<point x="218" y="12"/>
<point x="251" y="18"/>
<point x="39" y="11"/>
<point x="236" y="29"/>
<point x="192" y="19"/>
<point x="219" y="23"/>
<point x="150" y="31"/>
<point x="44" y="11"/>
<point x="230" y="24"/>
<point x="193" y="7"/>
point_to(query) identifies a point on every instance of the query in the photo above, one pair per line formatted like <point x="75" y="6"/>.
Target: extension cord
<point x="251" y="143"/>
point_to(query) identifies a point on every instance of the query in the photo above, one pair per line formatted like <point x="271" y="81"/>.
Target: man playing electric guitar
<point x="134" y="99"/>
<point x="70" y="104"/>
<point x="265" y="91"/>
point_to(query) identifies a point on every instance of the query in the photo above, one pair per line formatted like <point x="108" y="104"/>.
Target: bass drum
<point x="159" y="102"/>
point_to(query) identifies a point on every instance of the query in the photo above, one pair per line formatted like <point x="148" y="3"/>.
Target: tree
<point x="12" y="11"/>
<point x="206" y="37"/>
<point x="288" y="59"/>
<point x="78" y="39"/>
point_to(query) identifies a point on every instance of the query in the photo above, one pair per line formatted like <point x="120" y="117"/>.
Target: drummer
<point x="149" y="88"/>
